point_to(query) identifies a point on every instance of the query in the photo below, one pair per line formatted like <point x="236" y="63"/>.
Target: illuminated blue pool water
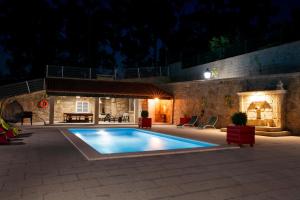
<point x="128" y="140"/>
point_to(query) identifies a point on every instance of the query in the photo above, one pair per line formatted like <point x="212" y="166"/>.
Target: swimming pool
<point x="131" y="140"/>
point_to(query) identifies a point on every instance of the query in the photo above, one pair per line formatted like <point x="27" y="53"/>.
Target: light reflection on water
<point x="125" y="140"/>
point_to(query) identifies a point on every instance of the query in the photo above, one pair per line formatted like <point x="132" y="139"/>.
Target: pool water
<point x="129" y="140"/>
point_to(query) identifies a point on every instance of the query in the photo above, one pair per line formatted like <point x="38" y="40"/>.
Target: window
<point x="82" y="106"/>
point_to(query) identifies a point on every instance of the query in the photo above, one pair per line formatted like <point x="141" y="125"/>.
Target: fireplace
<point x="265" y="109"/>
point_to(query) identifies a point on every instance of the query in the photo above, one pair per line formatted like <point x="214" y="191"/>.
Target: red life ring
<point x="43" y="103"/>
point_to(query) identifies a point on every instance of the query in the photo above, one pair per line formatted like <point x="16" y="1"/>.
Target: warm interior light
<point x="156" y="99"/>
<point x="258" y="96"/>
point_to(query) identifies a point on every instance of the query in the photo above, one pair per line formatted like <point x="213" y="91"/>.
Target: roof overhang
<point x="100" y="88"/>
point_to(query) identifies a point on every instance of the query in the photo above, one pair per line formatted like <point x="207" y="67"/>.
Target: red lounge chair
<point x="10" y="131"/>
<point x="3" y="137"/>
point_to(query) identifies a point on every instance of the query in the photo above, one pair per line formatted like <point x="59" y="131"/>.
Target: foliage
<point x="228" y="101"/>
<point x="203" y="102"/>
<point x="218" y="45"/>
<point x="239" y="118"/>
<point x="214" y="72"/>
<point x="143" y="33"/>
<point x="144" y="113"/>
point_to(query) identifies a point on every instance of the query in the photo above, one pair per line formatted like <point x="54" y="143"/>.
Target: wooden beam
<point x="51" y="109"/>
<point x="96" y="111"/>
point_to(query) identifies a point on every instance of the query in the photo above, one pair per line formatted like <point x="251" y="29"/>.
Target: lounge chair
<point x="10" y="131"/>
<point x="210" y="123"/>
<point x="3" y="137"/>
<point x="192" y="122"/>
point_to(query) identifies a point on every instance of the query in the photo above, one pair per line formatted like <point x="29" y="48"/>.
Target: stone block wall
<point x="67" y="104"/>
<point x="116" y="107"/>
<point x="30" y="103"/>
<point x="276" y="60"/>
<point x="219" y="97"/>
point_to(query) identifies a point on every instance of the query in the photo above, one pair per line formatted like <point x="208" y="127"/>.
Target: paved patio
<point x="48" y="167"/>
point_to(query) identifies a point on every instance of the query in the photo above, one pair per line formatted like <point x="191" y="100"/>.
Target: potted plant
<point x="145" y="121"/>
<point x="240" y="133"/>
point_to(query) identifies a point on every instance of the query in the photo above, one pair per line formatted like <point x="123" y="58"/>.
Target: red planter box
<point x="241" y="135"/>
<point x="145" y="122"/>
<point x="184" y="120"/>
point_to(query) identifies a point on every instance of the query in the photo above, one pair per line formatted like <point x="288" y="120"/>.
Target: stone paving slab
<point x="48" y="167"/>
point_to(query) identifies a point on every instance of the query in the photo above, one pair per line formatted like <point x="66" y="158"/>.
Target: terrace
<point x="54" y="164"/>
<point x="48" y="167"/>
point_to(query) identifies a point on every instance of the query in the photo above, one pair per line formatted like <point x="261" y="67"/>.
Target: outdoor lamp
<point x="207" y="74"/>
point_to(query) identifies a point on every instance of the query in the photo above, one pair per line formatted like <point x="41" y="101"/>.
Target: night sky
<point x="136" y="33"/>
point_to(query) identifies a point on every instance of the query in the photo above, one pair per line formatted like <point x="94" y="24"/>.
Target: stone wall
<point x="117" y="106"/>
<point x="276" y="60"/>
<point x="219" y="97"/>
<point x="30" y="103"/>
<point x="67" y="104"/>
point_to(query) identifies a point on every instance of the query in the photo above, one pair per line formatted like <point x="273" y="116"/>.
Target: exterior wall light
<point x="207" y="74"/>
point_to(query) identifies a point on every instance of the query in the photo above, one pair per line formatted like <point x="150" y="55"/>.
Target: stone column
<point x="173" y="110"/>
<point x="136" y="110"/>
<point x="96" y="111"/>
<point x="51" y="109"/>
<point x="113" y="107"/>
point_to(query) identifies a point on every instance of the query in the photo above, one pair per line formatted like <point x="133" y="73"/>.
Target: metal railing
<point x="93" y="73"/>
<point x="22" y="88"/>
<point x="70" y="72"/>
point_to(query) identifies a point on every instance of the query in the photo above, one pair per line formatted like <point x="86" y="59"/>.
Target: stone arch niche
<point x="265" y="109"/>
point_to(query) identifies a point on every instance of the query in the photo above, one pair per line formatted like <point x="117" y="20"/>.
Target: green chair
<point x="212" y="121"/>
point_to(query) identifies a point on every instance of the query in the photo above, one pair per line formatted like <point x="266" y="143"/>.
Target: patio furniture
<point x="125" y="117"/>
<point x="241" y="135"/>
<point x="210" y="123"/>
<point x="9" y="130"/>
<point x="110" y="118"/>
<point x="192" y="122"/>
<point x="3" y="137"/>
<point x="102" y="117"/>
<point x="78" y="117"/>
<point x="27" y="114"/>
<point x="184" y="120"/>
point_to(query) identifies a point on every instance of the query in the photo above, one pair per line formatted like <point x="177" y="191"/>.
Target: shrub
<point x="144" y="113"/>
<point x="239" y="118"/>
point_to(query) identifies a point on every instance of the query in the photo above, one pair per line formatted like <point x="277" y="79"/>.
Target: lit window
<point x="82" y="106"/>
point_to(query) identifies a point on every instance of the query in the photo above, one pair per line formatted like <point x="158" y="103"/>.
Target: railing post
<point x="62" y="71"/>
<point x="44" y="84"/>
<point x="115" y="74"/>
<point x="90" y="73"/>
<point x="47" y="71"/>
<point x="159" y="70"/>
<point x="27" y="86"/>
<point x="138" y="72"/>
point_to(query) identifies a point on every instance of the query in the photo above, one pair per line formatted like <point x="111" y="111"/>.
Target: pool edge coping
<point x="99" y="156"/>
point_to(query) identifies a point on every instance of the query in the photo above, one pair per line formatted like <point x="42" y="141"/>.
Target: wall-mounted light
<point x="207" y="74"/>
<point x="77" y="97"/>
